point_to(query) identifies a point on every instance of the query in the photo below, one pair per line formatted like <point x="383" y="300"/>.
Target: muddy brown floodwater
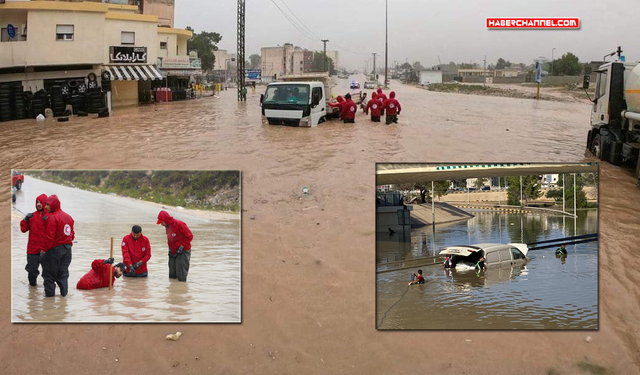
<point x="309" y="261"/>
<point x="212" y="290"/>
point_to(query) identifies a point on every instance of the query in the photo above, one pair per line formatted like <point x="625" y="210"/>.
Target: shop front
<point x="132" y="78"/>
<point x="182" y="72"/>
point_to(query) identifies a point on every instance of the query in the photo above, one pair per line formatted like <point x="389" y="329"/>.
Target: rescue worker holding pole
<point x="34" y="223"/>
<point x="98" y="276"/>
<point x="179" y="240"/>
<point x="136" y="252"/>
<point x="57" y="245"/>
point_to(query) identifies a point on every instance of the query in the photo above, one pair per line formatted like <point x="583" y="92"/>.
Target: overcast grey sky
<point x="423" y="30"/>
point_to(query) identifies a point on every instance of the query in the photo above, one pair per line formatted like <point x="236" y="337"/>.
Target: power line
<point x="301" y="22"/>
<point x="305" y="34"/>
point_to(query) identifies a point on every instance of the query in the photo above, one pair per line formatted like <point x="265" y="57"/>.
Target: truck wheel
<point x="18" y="184"/>
<point x="596" y="147"/>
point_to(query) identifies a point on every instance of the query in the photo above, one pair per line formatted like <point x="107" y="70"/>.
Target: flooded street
<point x="546" y="293"/>
<point x="309" y="261"/>
<point x="211" y="293"/>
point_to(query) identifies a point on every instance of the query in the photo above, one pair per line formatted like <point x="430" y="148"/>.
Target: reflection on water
<point x="211" y="294"/>
<point x="546" y="293"/>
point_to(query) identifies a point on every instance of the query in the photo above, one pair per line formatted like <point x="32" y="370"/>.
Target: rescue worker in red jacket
<point x="34" y="223"/>
<point x="136" y="252"/>
<point x="57" y="245"/>
<point x="393" y="108"/>
<point x="179" y="240"/>
<point x="338" y="105"/>
<point x="349" y="110"/>
<point x="382" y="97"/>
<point x="375" y="106"/>
<point x="98" y="277"/>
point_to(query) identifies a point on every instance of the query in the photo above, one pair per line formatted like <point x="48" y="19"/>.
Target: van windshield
<point x="287" y="94"/>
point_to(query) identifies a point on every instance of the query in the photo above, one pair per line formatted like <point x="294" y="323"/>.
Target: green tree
<point x="581" y="197"/>
<point x="205" y="43"/>
<point x="318" y="63"/>
<point x="255" y="61"/>
<point x="502" y="64"/>
<point x="530" y="189"/>
<point x="567" y="65"/>
<point x="479" y="184"/>
<point x="406" y="66"/>
<point x="417" y="66"/>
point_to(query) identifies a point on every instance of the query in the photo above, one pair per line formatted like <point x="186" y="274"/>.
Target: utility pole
<point x="484" y="70"/>
<point x="553" y="49"/>
<point x="386" y="44"/>
<point x="374" y="66"/>
<point x="240" y="58"/>
<point x="325" y="54"/>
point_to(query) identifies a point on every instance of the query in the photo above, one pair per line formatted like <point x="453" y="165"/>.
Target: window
<point x="505" y="255"/>
<point x="128" y="37"/>
<point x="64" y="32"/>
<point x="517" y="254"/>
<point x="163" y="45"/>
<point x="317" y="95"/>
<point x="493" y="257"/>
<point x="601" y="89"/>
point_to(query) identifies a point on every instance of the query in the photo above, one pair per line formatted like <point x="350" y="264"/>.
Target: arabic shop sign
<point x="128" y="55"/>
<point x="176" y="62"/>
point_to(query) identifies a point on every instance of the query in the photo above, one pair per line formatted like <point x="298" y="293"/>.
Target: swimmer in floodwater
<point x="562" y="250"/>
<point x="417" y="279"/>
<point x="448" y="263"/>
<point x="480" y="266"/>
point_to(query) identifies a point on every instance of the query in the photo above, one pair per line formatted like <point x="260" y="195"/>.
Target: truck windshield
<point x="287" y="94"/>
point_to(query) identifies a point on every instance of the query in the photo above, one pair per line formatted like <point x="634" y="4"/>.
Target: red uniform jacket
<point x="392" y="105"/>
<point x="59" y="228"/>
<point x="134" y="251"/>
<point x="375" y="107"/>
<point x="339" y="104"/>
<point x="349" y="110"/>
<point x="98" y="277"/>
<point x="178" y="233"/>
<point x="381" y="96"/>
<point x="36" y="228"/>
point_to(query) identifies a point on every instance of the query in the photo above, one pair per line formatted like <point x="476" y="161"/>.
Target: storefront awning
<point x="133" y="72"/>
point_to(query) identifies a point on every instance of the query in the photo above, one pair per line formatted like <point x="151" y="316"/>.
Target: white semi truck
<point x="615" y="117"/>
<point x="299" y="100"/>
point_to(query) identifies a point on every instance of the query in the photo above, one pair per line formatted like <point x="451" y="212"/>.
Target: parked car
<point x="17" y="179"/>
<point x="370" y="85"/>
<point x="514" y="254"/>
<point x="355" y="85"/>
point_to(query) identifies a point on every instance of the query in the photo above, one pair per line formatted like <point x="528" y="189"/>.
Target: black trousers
<point x="347" y="121"/>
<point x="144" y="274"/>
<point x="375" y="118"/>
<point x="55" y="270"/>
<point x="391" y="118"/>
<point x="179" y="265"/>
<point x="33" y="262"/>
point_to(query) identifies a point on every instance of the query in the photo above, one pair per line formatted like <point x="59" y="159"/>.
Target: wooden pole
<point x="111" y="266"/>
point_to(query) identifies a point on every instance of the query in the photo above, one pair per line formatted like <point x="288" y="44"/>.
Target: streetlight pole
<point x="386" y="45"/>
<point x="553" y="49"/>
<point x="374" y="65"/>
<point x="325" y="54"/>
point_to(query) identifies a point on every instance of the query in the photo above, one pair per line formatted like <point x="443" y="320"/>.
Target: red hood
<point x="42" y="198"/>
<point x="340" y="99"/>
<point x="54" y="202"/>
<point x="392" y="95"/>
<point x="374" y="95"/>
<point x="164" y="216"/>
<point x="379" y="91"/>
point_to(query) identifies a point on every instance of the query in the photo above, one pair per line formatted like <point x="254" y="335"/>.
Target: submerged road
<point x="309" y="261"/>
<point x="212" y="290"/>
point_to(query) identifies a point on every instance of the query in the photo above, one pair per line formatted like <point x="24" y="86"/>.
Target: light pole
<point x="386" y="44"/>
<point x="325" y="54"/>
<point x="374" y="65"/>
<point x="553" y="49"/>
<point x="226" y="71"/>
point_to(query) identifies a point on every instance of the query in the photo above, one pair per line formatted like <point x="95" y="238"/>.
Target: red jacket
<point x="98" y="277"/>
<point x="36" y="228"/>
<point x="375" y="106"/>
<point x="178" y="233"/>
<point x="134" y="251"/>
<point x="59" y="228"/>
<point x="339" y="104"/>
<point x="392" y="105"/>
<point x="349" y="110"/>
<point x="381" y="96"/>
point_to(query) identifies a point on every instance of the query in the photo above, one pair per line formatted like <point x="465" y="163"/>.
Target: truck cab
<point x="296" y="103"/>
<point x="615" y="114"/>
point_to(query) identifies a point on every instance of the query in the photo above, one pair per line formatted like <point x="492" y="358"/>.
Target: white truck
<point x="615" y="117"/>
<point x="299" y="100"/>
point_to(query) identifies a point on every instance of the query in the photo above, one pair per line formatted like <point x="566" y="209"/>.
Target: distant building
<point x="426" y="77"/>
<point x="506" y="73"/>
<point x="473" y="72"/>
<point x="225" y="66"/>
<point x="335" y="56"/>
<point x="550" y="180"/>
<point x="164" y="9"/>
<point x="285" y="60"/>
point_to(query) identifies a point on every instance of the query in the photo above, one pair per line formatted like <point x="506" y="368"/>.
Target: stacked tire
<point x="93" y="100"/>
<point x="19" y="103"/>
<point x="39" y="102"/>
<point x="57" y="100"/>
<point x="5" y="103"/>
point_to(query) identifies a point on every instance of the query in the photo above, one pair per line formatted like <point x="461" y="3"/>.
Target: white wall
<point x="430" y="76"/>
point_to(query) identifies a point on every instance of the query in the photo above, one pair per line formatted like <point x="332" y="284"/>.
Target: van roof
<point x="465" y="250"/>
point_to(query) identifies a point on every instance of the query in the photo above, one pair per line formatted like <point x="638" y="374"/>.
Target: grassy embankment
<point x="202" y="190"/>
